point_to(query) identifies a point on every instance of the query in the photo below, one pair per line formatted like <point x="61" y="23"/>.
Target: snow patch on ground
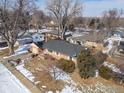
<point x="25" y="72"/>
<point x="24" y="41"/>
<point x="59" y="74"/>
<point x="113" y="67"/>
<point x="70" y="86"/>
<point x="21" y="50"/>
<point x="9" y="83"/>
<point x="40" y="30"/>
<point x="74" y="87"/>
<point x="109" y="47"/>
<point x="110" y="41"/>
<point x="3" y="48"/>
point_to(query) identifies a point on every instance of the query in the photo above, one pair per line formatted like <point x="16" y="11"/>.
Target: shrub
<point x="105" y="72"/>
<point x="86" y="64"/>
<point x="66" y="65"/>
<point x="18" y="61"/>
<point x="100" y="58"/>
<point x="88" y="61"/>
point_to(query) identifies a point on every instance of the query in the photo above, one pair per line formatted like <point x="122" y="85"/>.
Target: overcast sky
<point x="94" y="7"/>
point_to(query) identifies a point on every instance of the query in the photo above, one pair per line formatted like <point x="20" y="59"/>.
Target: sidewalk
<point x="22" y="79"/>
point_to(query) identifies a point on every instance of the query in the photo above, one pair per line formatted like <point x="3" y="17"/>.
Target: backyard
<point x="39" y="67"/>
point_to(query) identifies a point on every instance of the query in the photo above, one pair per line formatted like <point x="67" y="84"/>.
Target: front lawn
<point x="5" y="52"/>
<point x="39" y="68"/>
<point x="68" y="82"/>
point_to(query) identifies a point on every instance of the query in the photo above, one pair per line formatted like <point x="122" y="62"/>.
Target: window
<point x="36" y="37"/>
<point x="78" y="42"/>
<point x="70" y="58"/>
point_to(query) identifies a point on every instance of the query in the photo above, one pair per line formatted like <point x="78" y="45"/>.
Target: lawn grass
<point x="5" y="52"/>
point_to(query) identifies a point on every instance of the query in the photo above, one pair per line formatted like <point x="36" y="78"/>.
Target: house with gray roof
<point x="31" y="37"/>
<point x="121" y="47"/>
<point x="61" y="49"/>
<point x="54" y="34"/>
<point x="118" y="33"/>
<point x="91" y="37"/>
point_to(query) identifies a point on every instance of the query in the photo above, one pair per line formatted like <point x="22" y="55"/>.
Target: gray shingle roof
<point x="98" y="37"/>
<point x="63" y="47"/>
<point x="54" y="32"/>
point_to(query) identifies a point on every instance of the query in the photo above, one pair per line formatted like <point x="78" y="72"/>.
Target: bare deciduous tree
<point x="79" y="21"/>
<point x="38" y="18"/>
<point x="14" y="18"/>
<point x="111" y="19"/>
<point x="64" y="11"/>
<point x="52" y="70"/>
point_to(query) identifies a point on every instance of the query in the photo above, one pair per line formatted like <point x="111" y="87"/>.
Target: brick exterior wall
<point x="50" y="37"/>
<point x="59" y="55"/>
<point x="36" y="50"/>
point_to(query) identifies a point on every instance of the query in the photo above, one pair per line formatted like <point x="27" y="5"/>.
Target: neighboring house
<point x="76" y="40"/>
<point x="60" y="49"/>
<point x="3" y="43"/>
<point x="37" y="37"/>
<point x="82" y="40"/>
<point x="25" y="39"/>
<point x="31" y="37"/>
<point x="54" y="35"/>
<point x="51" y="35"/>
<point x="113" y="44"/>
<point x="121" y="47"/>
<point x="118" y="34"/>
<point x="51" y="25"/>
<point x="87" y="39"/>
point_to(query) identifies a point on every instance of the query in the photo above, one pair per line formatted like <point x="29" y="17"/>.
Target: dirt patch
<point x="92" y="81"/>
<point x="46" y="80"/>
<point x="76" y="77"/>
<point x="5" y="52"/>
<point x="118" y="61"/>
<point x="111" y="60"/>
<point x="39" y="68"/>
